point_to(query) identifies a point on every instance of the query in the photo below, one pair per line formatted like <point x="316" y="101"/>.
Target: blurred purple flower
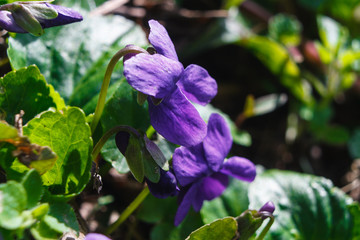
<point x="163" y="78"/>
<point x="166" y="187"/>
<point x="268" y="207"/>
<point x="201" y="170"/>
<point x="96" y="236"/>
<point x="28" y="13"/>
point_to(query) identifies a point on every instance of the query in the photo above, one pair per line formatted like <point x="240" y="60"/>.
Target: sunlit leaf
<point x="306" y="206"/>
<point x="12" y="202"/>
<point x="277" y="59"/>
<point x="68" y="135"/>
<point x="220" y="229"/>
<point x="73" y="58"/>
<point x="26" y="89"/>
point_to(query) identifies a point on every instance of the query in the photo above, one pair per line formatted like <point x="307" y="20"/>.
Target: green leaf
<point x="220" y="229"/>
<point x="239" y="136"/>
<point x="232" y="202"/>
<point x="307" y="207"/>
<point x="121" y="108"/>
<point x="7" y="131"/>
<point x="26" y="20"/>
<point x="354" y="144"/>
<point x="73" y="58"/>
<point x="85" y="5"/>
<point x="60" y="219"/>
<point x="69" y="136"/>
<point x="32" y="184"/>
<point x="285" y="29"/>
<point x="332" y="34"/>
<point x="134" y="158"/>
<point x="151" y="212"/>
<point x="354" y="209"/>
<point x="40" y="211"/>
<point x="12" y="202"/>
<point x="111" y="154"/>
<point x="26" y="89"/>
<point x="276" y="58"/>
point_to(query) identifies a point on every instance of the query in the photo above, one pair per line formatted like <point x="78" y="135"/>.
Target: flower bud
<point x="268" y="207"/>
<point x="166" y="187"/>
<point x="33" y="17"/>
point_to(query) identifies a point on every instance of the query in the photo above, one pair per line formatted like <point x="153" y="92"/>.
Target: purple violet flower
<point x="35" y="16"/>
<point x="268" y="207"/>
<point x="166" y="187"/>
<point x="96" y="236"/>
<point x="163" y="78"/>
<point x="201" y="170"/>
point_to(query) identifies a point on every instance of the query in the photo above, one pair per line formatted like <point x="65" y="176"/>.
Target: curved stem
<point x="107" y="77"/>
<point x="96" y="150"/>
<point x="128" y="211"/>
<point x="266" y="228"/>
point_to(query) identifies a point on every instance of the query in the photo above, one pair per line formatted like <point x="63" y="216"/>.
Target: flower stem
<point x="128" y="211"/>
<point x="96" y="150"/>
<point x="105" y="84"/>
<point x="266" y="228"/>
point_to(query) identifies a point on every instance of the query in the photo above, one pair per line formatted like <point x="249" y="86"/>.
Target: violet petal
<point x="214" y="185"/>
<point x="96" y="236"/>
<point x="166" y="187"/>
<point x="240" y="168"/>
<point x="156" y="153"/>
<point x="186" y="201"/>
<point x="189" y="164"/>
<point x="65" y="16"/>
<point x="122" y="141"/>
<point x="154" y="75"/>
<point x="177" y="120"/>
<point x="161" y="41"/>
<point x="197" y="85"/>
<point x="7" y="22"/>
<point x="217" y="142"/>
<point x="268" y="207"/>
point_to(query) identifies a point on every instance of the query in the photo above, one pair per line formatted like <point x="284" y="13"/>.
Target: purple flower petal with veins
<point x="167" y="185"/>
<point x="96" y="236"/>
<point x="163" y="77"/>
<point x="201" y="170"/>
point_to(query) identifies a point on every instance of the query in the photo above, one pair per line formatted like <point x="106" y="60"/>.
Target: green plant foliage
<point x="285" y="29"/>
<point x="74" y="58"/>
<point x="232" y="202"/>
<point x="307" y="207"/>
<point x="7" y="131"/>
<point x="32" y="184"/>
<point x="220" y="229"/>
<point x="26" y="89"/>
<point x="20" y="208"/>
<point x="86" y="5"/>
<point x="59" y="220"/>
<point x="331" y="33"/>
<point x="41" y="158"/>
<point x="12" y="202"/>
<point x="354" y="144"/>
<point x="277" y="59"/>
<point x="164" y="218"/>
<point x="121" y="108"/>
<point x="69" y="136"/>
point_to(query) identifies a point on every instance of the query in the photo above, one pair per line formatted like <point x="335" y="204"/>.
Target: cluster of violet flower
<point x="200" y="170"/>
